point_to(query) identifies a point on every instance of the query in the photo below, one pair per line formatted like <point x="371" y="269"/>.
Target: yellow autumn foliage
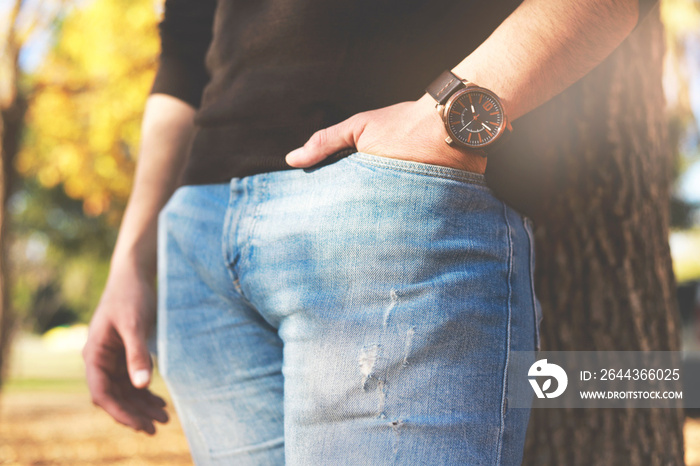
<point x="680" y="17"/>
<point x="84" y="114"/>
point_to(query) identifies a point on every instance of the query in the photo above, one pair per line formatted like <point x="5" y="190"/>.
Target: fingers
<point x="117" y="360"/>
<point x="134" y="408"/>
<point x="153" y="399"/>
<point x="327" y="142"/>
<point x="107" y="356"/>
<point x="151" y="411"/>
<point x="121" y="409"/>
<point x="138" y="358"/>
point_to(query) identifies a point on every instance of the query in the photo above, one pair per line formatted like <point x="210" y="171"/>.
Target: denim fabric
<point x="358" y="313"/>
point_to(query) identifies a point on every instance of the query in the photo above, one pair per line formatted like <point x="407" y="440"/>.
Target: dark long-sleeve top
<point x="265" y="74"/>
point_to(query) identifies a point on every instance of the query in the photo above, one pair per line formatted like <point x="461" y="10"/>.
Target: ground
<point x="46" y="418"/>
<point x="48" y="428"/>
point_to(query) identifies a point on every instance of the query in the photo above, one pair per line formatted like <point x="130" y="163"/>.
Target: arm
<point x="117" y="360"/>
<point x="538" y="51"/>
<point x="545" y="46"/>
<point x="166" y="130"/>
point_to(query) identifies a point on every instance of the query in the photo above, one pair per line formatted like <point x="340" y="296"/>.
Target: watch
<point x="473" y="116"/>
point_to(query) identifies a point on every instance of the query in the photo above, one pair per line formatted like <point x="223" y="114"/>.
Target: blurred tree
<point x="22" y="21"/>
<point x="78" y="116"/>
<point x="681" y="20"/>
<point x="597" y="188"/>
<point x="54" y="245"/>
<point x="87" y="101"/>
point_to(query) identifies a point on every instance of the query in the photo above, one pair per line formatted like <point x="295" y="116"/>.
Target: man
<point x="352" y="309"/>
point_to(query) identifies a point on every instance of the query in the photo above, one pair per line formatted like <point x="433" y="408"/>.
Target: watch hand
<point x="485" y="126"/>
<point x="473" y="111"/>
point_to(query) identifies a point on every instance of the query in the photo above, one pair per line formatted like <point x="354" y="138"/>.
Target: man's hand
<point x="117" y="361"/>
<point x="407" y="131"/>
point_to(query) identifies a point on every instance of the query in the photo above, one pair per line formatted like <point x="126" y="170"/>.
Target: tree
<point x="21" y="24"/>
<point x="73" y="122"/>
<point x="78" y="153"/>
<point x="597" y="188"/>
<point x="11" y="115"/>
<point x="87" y="102"/>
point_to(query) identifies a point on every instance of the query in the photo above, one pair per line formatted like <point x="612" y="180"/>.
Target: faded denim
<point x="358" y="313"/>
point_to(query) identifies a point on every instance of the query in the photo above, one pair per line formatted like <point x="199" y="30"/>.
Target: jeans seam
<point x="419" y="168"/>
<point x="508" y="330"/>
<point x="261" y="198"/>
<point x="528" y="229"/>
<point x="161" y="314"/>
<point x="228" y="242"/>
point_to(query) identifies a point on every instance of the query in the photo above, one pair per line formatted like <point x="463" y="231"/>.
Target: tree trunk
<point x="12" y="111"/>
<point x="11" y="123"/>
<point x="594" y="175"/>
<point x="5" y="321"/>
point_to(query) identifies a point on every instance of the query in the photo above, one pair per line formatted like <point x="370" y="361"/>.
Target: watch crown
<point x="448" y="140"/>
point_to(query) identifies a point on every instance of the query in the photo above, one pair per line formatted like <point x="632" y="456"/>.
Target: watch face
<point x="474" y="117"/>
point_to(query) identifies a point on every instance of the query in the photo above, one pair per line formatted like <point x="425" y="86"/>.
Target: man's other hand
<point x="117" y="361"/>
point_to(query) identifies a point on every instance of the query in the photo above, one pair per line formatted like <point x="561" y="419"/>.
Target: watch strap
<point x="444" y="86"/>
<point x="501" y="140"/>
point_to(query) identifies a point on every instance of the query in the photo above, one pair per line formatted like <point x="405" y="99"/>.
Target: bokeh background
<point x="74" y="77"/>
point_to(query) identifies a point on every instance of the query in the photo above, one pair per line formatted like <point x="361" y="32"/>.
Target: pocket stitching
<point x="420" y="168"/>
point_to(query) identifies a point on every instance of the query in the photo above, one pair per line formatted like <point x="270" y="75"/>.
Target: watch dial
<point x="474" y="118"/>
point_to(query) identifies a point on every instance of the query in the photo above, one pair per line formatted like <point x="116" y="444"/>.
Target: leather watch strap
<point x="442" y="88"/>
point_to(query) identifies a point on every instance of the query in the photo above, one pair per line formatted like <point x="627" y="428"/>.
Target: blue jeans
<point x="358" y="313"/>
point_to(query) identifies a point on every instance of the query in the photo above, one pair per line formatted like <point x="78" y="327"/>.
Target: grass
<point x="44" y="385"/>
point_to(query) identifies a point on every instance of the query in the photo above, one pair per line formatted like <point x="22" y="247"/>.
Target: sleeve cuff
<point x="645" y="7"/>
<point x="178" y="79"/>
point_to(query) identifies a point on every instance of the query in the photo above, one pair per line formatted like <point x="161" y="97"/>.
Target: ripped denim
<point x="358" y="313"/>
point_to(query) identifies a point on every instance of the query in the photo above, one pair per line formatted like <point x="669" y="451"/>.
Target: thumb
<point x="328" y="141"/>
<point x="138" y="360"/>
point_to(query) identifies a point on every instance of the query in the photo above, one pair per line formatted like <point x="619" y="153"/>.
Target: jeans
<point x="358" y="313"/>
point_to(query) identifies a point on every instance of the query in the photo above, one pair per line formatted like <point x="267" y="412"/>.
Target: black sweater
<point x="278" y="70"/>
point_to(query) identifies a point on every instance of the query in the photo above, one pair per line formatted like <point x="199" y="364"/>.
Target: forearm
<point x="166" y="130"/>
<point x="543" y="47"/>
<point x="546" y="45"/>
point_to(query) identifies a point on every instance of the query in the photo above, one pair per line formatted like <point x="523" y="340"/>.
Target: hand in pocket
<point x="407" y="131"/>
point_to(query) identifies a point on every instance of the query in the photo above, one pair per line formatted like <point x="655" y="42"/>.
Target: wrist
<point x="473" y="116"/>
<point x="431" y="122"/>
<point x="428" y="116"/>
<point x="137" y="260"/>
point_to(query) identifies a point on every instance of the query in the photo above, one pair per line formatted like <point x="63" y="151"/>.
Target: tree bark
<point x="12" y="111"/>
<point x="5" y="320"/>
<point x="594" y="168"/>
<point x="11" y="124"/>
